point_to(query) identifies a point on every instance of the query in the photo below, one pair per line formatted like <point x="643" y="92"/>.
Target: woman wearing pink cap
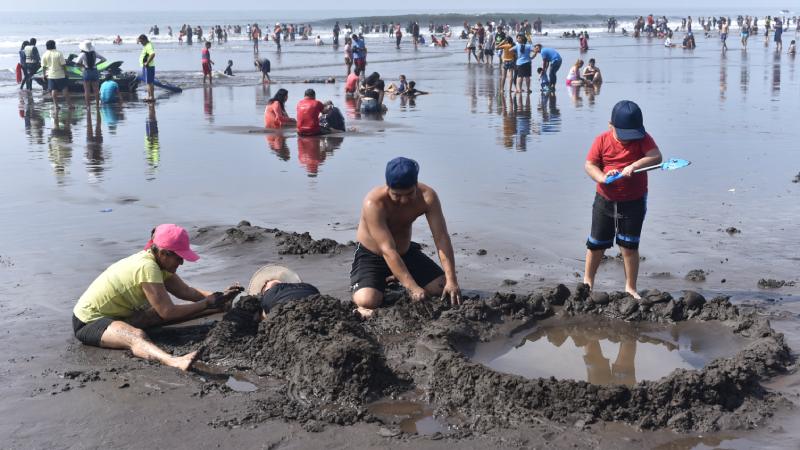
<point x="134" y="294"/>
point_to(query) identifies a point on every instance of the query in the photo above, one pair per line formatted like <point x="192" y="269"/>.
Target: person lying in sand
<point x="133" y="294"/>
<point x="277" y="284"/>
<point x="385" y="247"/>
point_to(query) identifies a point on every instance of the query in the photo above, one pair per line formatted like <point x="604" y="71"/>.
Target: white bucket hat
<point x="270" y="272"/>
<point x="86" y="46"/>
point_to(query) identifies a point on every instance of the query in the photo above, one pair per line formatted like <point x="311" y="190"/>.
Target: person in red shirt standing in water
<point x="308" y="111"/>
<point x="619" y="208"/>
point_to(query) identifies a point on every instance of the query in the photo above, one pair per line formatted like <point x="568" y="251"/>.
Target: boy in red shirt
<point x="619" y="208"/>
<point x="308" y="110"/>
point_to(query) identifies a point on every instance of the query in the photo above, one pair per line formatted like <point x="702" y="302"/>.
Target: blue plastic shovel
<point x="671" y="164"/>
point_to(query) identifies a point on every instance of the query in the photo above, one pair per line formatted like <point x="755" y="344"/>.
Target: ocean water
<point x="80" y="188"/>
<point x="508" y="168"/>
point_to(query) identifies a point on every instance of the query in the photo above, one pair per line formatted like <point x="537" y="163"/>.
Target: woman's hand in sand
<point x="232" y="292"/>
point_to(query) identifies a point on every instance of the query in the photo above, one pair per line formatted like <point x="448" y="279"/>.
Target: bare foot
<point x="633" y="294"/>
<point x="365" y="313"/>
<point x="185" y="362"/>
<point x="588" y="283"/>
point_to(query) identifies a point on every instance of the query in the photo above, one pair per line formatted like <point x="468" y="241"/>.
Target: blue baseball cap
<point x="401" y="173"/>
<point x="626" y="117"/>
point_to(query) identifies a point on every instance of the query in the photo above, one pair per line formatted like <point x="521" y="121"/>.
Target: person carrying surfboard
<point x="619" y="209"/>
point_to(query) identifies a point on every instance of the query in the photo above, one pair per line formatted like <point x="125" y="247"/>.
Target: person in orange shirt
<point x="275" y="115"/>
<point x="507" y="64"/>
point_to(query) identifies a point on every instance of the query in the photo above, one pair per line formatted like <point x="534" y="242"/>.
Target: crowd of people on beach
<point x="134" y="293"/>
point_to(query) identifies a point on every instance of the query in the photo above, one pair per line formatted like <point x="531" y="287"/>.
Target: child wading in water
<point x="205" y="58"/>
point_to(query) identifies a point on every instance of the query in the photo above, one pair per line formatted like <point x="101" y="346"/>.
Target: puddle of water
<point x="608" y="352"/>
<point x="240" y="385"/>
<point x="411" y="416"/>
<point x="237" y="381"/>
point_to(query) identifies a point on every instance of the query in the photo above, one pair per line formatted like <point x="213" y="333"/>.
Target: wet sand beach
<point x="79" y="193"/>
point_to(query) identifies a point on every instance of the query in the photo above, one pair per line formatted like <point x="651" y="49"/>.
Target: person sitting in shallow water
<point x="592" y="74"/>
<point x="275" y="115"/>
<point x="412" y="91"/>
<point x="133" y="294"/>
<point x="398" y="88"/>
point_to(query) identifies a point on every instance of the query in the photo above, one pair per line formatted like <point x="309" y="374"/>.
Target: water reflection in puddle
<point x="608" y="352"/>
<point x="240" y="385"/>
<point x="410" y="415"/>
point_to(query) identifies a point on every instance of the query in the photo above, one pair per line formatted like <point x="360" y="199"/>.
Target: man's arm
<point x="379" y="231"/>
<point x="444" y="247"/>
<point x="177" y="287"/>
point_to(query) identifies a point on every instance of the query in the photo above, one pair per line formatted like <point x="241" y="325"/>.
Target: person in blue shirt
<point x="523" y="66"/>
<point x="551" y="60"/>
<point x="109" y="91"/>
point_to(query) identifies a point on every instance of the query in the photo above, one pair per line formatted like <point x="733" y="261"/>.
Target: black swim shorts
<point x="90" y="333"/>
<point x="622" y="220"/>
<point x="524" y="70"/>
<point x="370" y="270"/>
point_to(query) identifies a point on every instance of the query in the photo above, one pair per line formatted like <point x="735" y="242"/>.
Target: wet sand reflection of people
<point x="313" y="150"/>
<point x="509" y="123"/>
<point x="277" y="143"/>
<point x="723" y="76"/>
<point x="744" y="74"/>
<point x="551" y="115"/>
<point x="95" y="159"/>
<point x="600" y="371"/>
<point x="776" y="74"/>
<point x="60" y="143"/>
<point x="351" y="107"/>
<point x="34" y="120"/>
<point x="522" y="114"/>
<point x="208" y="103"/>
<point x="591" y="91"/>
<point x="151" y="146"/>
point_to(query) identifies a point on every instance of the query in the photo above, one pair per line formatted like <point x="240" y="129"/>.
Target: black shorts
<point x="524" y="70"/>
<point x="90" y="333"/>
<point x="370" y="270"/>
<point x="622" y="220"/>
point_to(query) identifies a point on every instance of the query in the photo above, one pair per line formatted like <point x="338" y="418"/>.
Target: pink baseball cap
<point x="171" y="237"/>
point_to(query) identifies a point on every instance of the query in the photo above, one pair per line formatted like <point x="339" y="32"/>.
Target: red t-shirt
<point x="308" y="110"/>
<point x="607" y="153"/>
<point x="351" y="83"/>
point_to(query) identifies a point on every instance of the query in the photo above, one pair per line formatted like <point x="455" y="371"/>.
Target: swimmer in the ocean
<point x="229" y="69"/>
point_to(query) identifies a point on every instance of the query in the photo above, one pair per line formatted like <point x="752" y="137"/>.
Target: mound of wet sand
<point x="287" y="243"/>
<point x="316" y="362"/>
<point x="330" y="364"/>
<point x="726" y="394"/>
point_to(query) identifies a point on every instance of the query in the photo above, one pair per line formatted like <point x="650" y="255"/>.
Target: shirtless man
<point x="384" y="241"/>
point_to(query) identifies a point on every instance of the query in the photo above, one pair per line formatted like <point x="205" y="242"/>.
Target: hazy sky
<point x="411" y="6"/>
